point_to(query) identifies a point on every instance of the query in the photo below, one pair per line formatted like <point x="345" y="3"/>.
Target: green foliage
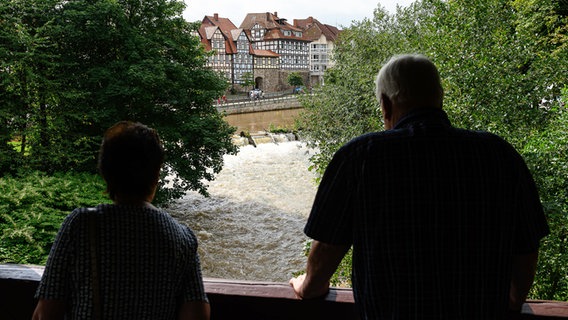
<point x="494" y="76"/>
<point x="24" y="91"/>
<point x="32" y="208"/>
<point x="547" y="156"/>
<point x="248" y="79"/>
<point x="280" y="129"/>
<point x="75" y="68"/>
<point x="295" y="79"/>
<point x="503" y="65"/>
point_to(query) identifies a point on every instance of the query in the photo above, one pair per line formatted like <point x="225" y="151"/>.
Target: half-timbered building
<point x="231" y="47"/>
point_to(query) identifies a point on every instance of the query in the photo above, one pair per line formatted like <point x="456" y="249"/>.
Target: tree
<point x="547" y="156"/>
<point x="295" y="79"/>
<point x="494" y="79"/>
<point x="27" y="59"/>
<point x="248" y="79"/>
<point x="124" y="60"/>
<point x="345" y="106"/>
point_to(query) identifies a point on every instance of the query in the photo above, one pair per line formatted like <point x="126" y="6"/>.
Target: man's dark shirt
<point x="434" y="214"/>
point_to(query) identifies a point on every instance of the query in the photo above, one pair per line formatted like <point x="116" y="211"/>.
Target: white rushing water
<point x="251" y="226"/>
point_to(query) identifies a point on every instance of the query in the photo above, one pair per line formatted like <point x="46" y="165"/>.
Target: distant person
<point x="126" y="260"/>
<point x="445" y="223"/>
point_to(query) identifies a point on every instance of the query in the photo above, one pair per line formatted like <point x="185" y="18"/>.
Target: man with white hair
<point x="445" y="223"/>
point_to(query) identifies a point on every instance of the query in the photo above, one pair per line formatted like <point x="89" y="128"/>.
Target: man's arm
<point x="322" y="262"/>
<point x="522" y="276"/>
<point x="49" y="310"/>
<point x="195" y="310"/>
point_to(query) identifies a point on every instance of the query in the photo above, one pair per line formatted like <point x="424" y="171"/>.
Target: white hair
<point x="410" y="80"/>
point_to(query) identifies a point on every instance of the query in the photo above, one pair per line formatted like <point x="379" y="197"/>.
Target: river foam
<point x="250" y="228"/>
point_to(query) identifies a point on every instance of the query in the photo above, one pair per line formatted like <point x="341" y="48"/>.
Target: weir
<point x="256" y="138"/>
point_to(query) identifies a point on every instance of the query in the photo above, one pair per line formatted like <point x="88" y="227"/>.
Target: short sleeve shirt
<point x="434" y="215"/>
<point x="148" y="264"/>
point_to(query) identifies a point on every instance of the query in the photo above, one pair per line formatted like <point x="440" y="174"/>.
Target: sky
<point x="333" y="12"/>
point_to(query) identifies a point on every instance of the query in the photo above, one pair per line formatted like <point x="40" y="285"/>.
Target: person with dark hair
<point x="126" y="260"/>
<point x="445" y="223"/>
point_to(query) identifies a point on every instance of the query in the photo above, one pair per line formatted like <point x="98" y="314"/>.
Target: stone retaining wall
<point x="287" y="102"/>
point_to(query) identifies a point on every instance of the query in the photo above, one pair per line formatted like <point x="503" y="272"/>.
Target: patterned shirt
<point x="148" y="264"/>
<point x="434" y="214"/>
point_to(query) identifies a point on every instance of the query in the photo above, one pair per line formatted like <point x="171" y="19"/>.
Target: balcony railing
<point x="232" y="299"/>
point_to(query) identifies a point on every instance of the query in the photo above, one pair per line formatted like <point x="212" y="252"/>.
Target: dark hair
<point x="130" y="159"/>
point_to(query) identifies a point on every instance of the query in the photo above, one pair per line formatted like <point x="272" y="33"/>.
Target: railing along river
<point x="235" y="300"/>
<point x="260" y="104"/>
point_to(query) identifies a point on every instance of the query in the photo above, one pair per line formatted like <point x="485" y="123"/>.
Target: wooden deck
<point x="232" y="299"/>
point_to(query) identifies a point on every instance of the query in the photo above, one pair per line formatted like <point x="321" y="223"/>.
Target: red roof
<point x="224" y="25"/>
<point x="265" y="53"/>
<point x="274" y="24"/>
<point x="313" y="29"/>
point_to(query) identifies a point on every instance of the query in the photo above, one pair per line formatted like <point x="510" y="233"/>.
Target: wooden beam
<point x="232" y="299"/>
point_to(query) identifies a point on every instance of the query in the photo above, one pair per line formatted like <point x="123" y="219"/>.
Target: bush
<point x="33" y="206"/>
<point x="547" y="157"/>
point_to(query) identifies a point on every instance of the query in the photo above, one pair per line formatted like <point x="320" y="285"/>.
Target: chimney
<point x="311" y="19"/>
<point x="268" y="16"/>
<point x="276" y="14"/>
<point x="216" y="17"/>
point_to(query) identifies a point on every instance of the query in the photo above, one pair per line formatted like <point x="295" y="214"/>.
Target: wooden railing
<point x="231" y="299"/>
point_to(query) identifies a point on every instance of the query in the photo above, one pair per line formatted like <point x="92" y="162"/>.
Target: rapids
<point x="250" y="228"/>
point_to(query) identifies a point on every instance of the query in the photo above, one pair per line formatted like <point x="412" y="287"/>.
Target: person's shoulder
<point x="369" y="139"/>
<point x="76" y="221"/>
<point x="492" y="143"/>
<point x="485" y="136"/>
<point x="181" y="229"/>
<point x="80" y="214"/>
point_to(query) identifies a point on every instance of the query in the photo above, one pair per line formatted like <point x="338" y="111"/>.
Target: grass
<point x="33" y="206"/>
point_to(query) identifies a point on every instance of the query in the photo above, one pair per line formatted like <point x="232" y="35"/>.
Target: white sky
<point x="333" y="12"/>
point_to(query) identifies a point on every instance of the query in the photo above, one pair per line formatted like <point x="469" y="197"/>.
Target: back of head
<point x="411" y="81"/>
<point x="130" y="159"/>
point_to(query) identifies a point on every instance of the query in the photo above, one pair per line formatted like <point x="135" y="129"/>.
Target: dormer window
<point x="287" y="32"/>
<point x="257" y="32"/>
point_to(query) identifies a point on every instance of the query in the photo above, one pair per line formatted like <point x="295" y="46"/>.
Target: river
<point x="251" y="226"/>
